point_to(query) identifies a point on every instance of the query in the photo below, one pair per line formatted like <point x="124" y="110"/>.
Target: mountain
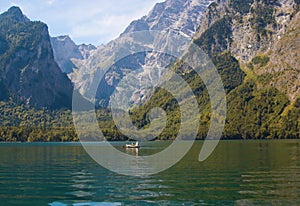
<point x="254" y="45"/>
<point x="65" y="50"/>
<point x="28" y="71"/>
<point x="183" y="16"/>
<point x="178" y="16"/>
<point x="262" y="35"/>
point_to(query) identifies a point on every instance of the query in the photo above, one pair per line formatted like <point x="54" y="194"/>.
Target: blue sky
<point x="89" y="21"/>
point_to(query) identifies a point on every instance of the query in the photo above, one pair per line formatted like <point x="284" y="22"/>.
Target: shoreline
<point x="79" y="142"/>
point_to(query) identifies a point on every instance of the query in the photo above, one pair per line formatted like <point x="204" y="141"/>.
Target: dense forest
<point x="252" y="114"/>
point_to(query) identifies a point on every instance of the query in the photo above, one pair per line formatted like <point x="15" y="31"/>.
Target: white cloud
<point x="50" y="1"/>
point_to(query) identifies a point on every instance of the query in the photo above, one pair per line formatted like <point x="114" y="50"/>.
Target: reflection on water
<point x="132" y="151"/>
<point x="238" y="173"/>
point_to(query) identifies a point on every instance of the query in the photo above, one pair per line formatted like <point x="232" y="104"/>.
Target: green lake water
<point x="237" y="173"/>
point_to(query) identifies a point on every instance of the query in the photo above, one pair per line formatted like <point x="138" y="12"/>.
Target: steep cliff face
<point x="65" y="50"/>
<point x="28" y="72"/>
<point x="254" y="44"/>
<point x="284" y="63"/>
<point x="180" y="16"/>
<point x="262" y="35"/>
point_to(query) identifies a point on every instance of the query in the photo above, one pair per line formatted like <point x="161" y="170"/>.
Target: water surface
<point x="238" y="173"/>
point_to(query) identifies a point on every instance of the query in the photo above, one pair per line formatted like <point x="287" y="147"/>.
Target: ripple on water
<point x="236" y="174"/>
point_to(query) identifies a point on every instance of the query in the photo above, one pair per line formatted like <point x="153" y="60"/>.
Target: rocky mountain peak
<point x="65" y="50"/>
<point x="15" y="13"/>
<point x="181" y="15"/>
<point x="28" y="72"/>
<point x="86" y="50"/>
<point x="64" y="38"/>
<point x="176" y="16"/>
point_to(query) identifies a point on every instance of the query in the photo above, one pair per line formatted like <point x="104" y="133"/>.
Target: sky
<point x="85" y="21"/>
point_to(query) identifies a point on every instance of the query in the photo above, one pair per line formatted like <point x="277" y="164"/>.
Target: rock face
<point x="284" y="64"/>
<point x="86" y="50"/>
<point x="179" y="16"/>
<point x="254" y="45"/>
<point x="64" y="50"/>
<point x="262" y="35"/>
<point x="28" y="72"/>
<point x="183" y="16"/>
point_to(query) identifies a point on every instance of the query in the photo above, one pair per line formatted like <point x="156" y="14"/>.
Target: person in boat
<point x="135" y="144"/>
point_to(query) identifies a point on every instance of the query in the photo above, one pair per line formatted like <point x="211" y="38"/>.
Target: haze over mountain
<point x="28" y="71"/>
<point x="65" y="50"/>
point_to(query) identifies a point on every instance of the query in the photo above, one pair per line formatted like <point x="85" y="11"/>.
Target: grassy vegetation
<point x="260" y="60"/>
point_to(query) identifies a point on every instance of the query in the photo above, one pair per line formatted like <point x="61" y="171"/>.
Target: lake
<point x="237" y="173"/>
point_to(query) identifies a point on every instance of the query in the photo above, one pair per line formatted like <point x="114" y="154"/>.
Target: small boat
<point x="133" y="145"/>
